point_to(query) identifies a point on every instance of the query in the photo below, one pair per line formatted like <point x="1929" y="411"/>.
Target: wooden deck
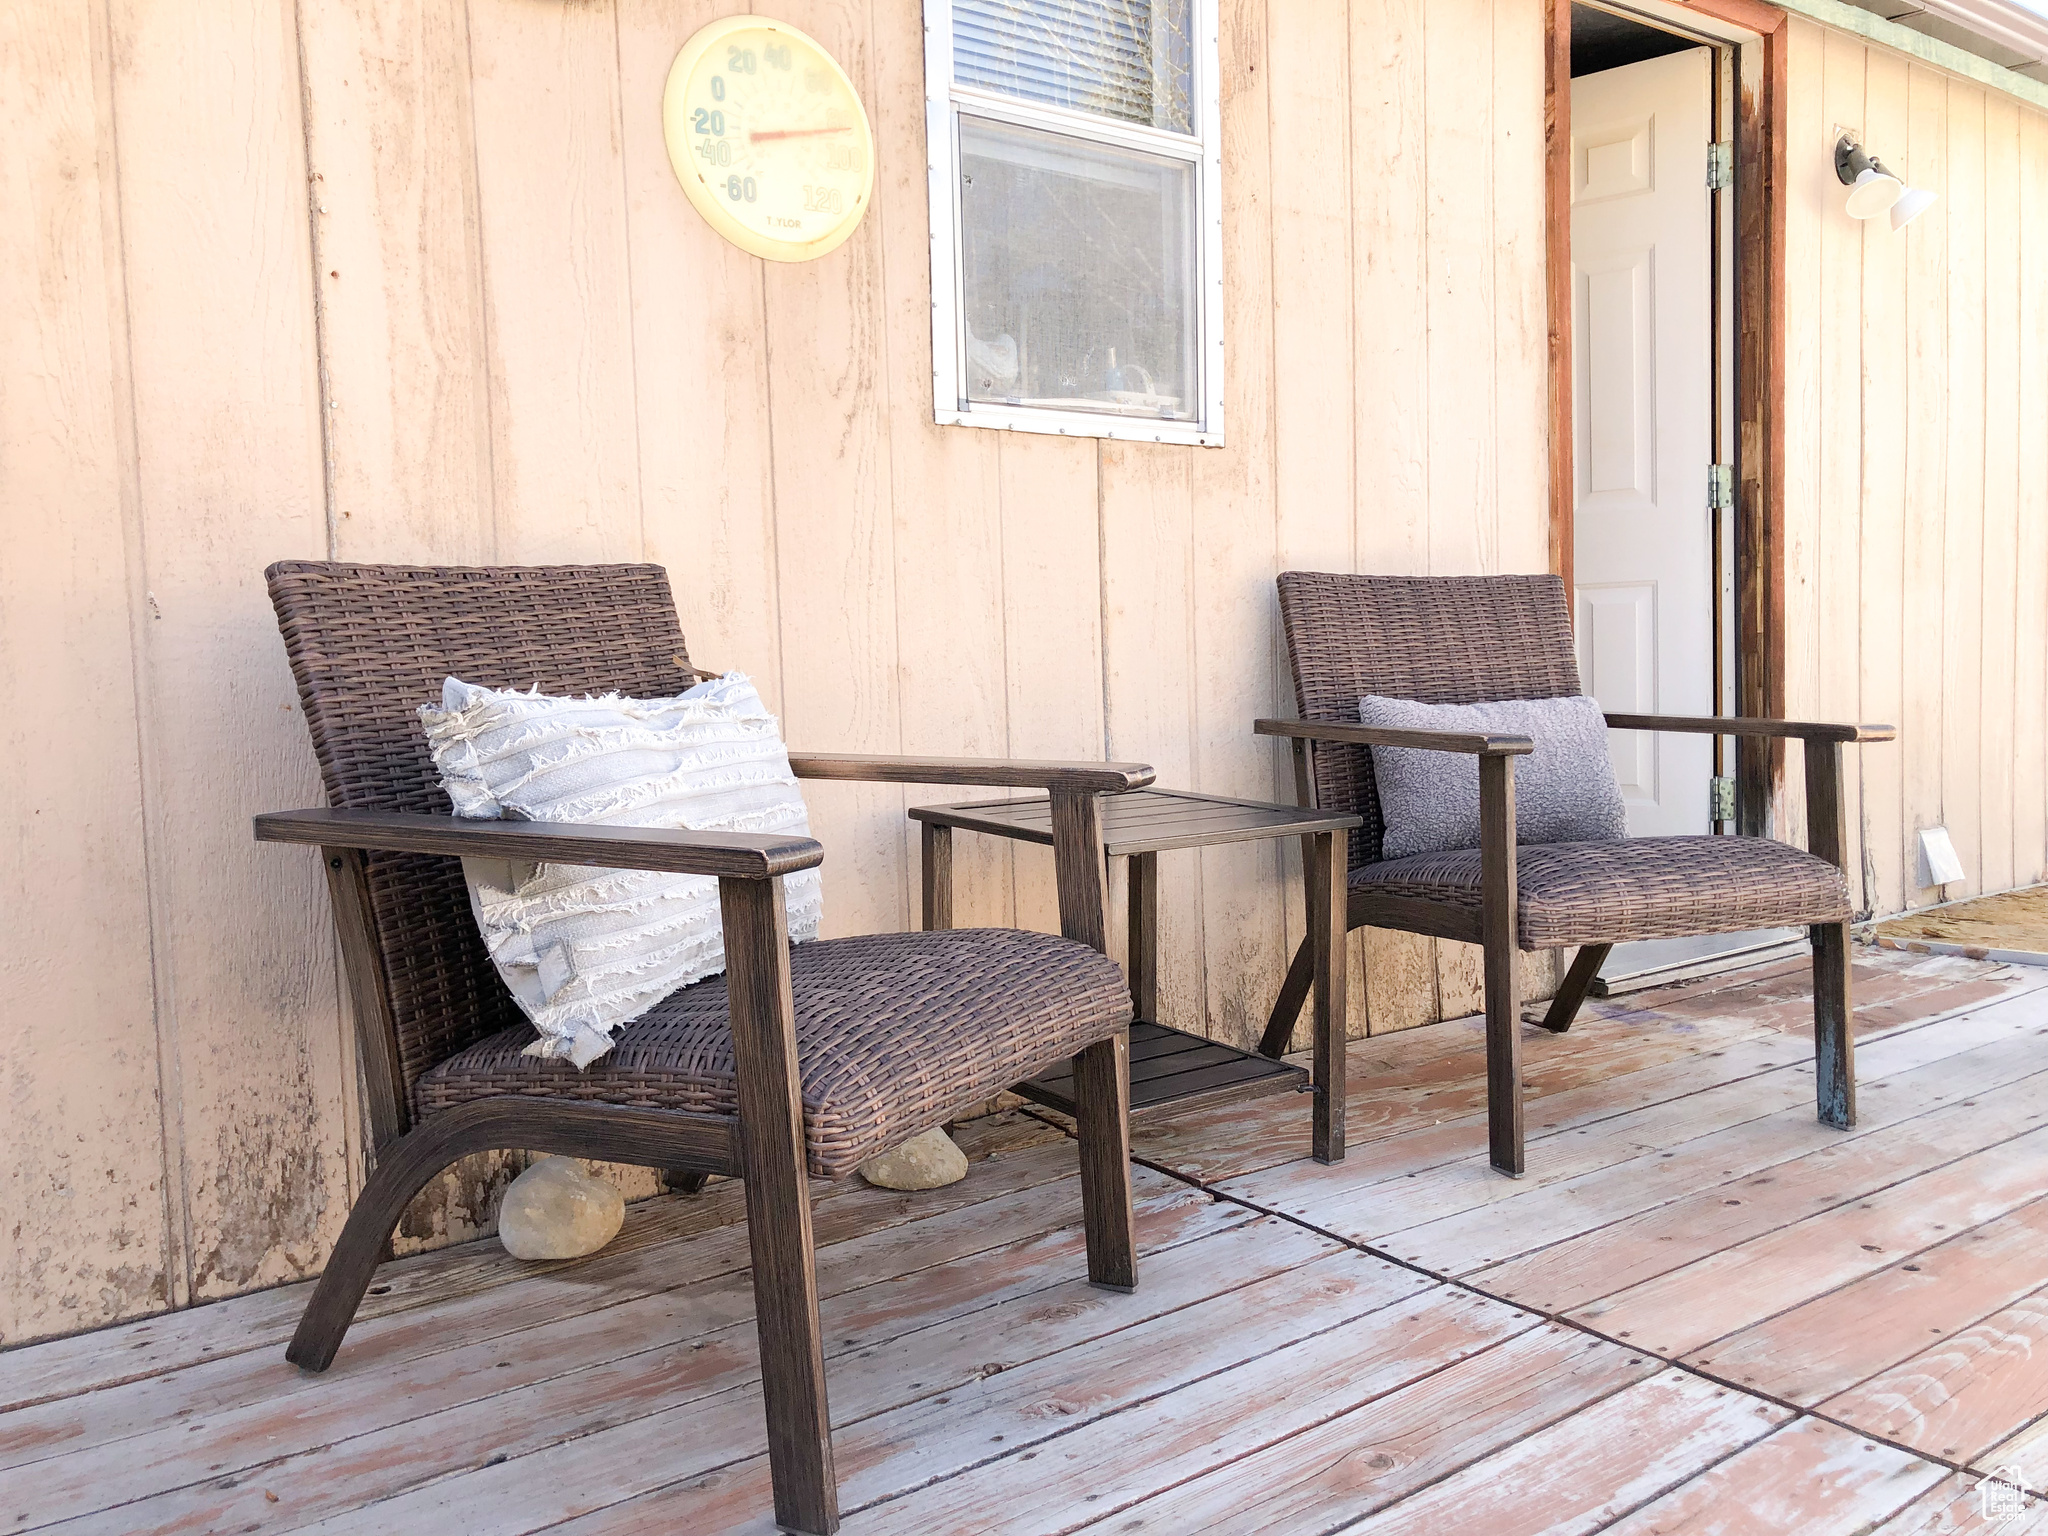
<point x="1701" y="1311"/>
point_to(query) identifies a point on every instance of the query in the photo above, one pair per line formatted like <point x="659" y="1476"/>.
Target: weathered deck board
<point x="1578" y="1475"/>
<point x="1618" y="1087"/>
<point x="1185" y="1430"/>
<point x="593" y="1371"/>
<point x="1703" y="1209"/>
<point x="263" y="1320"/>
<point x="1954" y="1507"/>
<point x="1963" y="1394"/>
<point x="1759" y="1092"/>
<point x="1844" y="1338"/>
<point x="1261" y="1402"/>
<point x="469" y="1307"/>
<point x="1706" y="1300"/>
<point x="1621" y="1121"/>
<point x="1811" y="1477"/>
<point x="1364" y="1460"/>
<point x="926" y="1426"/>
<point x="1678" y="1200"/>
<point x="1399" y="1085"/>
<point x="1267" y="1375"/>
<point x="2026" y="1454"/>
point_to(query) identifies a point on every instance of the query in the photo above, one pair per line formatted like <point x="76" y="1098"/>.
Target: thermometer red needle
<point x="797" y="133"/>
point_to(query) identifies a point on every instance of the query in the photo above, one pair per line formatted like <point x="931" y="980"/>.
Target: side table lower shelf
<point x="1170" y="1066"/>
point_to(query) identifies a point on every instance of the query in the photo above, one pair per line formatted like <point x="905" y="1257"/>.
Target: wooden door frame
<point x="1759" y="363"/>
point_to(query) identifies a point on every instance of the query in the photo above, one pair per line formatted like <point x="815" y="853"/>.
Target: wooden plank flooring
<point x="1700" y="1311"/>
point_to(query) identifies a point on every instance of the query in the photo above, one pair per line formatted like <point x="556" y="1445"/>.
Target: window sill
<point x="1051" y="423"/>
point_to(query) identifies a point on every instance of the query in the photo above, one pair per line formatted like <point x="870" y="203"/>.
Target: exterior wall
<point x="1917" y="467"/>
<point x="410" y="280"/>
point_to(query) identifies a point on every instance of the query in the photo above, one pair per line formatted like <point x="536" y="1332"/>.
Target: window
<point x="1076" y="242"/>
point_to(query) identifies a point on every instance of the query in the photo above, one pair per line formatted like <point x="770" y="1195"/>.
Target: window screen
<point x="1078" y="266"/>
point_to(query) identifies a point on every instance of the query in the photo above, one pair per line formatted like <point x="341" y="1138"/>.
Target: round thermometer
<point x="768" y="138"/>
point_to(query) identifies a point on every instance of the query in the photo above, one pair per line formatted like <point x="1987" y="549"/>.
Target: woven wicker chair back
<point x="368" y="645"/>
<point x="1436" y="639"/>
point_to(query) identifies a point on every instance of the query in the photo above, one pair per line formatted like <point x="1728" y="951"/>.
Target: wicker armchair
<point x="794" y="1063"/>
<point x="1465" y="640"/>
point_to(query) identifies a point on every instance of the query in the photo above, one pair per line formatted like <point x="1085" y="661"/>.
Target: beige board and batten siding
<point x="413" y="282"/>
<point x="1917" y="463"/>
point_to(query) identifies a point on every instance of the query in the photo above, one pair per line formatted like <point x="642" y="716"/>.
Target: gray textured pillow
<point x="1565" y="790"/>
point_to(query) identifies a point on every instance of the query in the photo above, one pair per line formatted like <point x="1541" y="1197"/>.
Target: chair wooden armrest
<point x="741" y="861"/>
<point x="1468" y="742"/>
<point x="1013" y="773"/>
<point x="1827" y="831"/>
<point x="1751" y="725"/>
<point x="726" y="855"/>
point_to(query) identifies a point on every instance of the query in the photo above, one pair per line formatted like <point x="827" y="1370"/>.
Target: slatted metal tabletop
<point x="1143" y="821"/>
<point x="1168" y="1066"/>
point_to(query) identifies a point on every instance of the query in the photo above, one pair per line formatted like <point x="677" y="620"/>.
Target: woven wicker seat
<point x="1473" y="639"/>
<point x="1640" y="888"/>
<point x="894" y="1032"/>
<point x="797" y="1061"/>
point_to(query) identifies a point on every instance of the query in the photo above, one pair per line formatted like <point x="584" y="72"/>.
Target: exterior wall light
<point x="1873" y="189"/>
<point x="1912" y="202"/>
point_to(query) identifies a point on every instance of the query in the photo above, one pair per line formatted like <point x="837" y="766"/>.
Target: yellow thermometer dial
<point x="769" y="138"/>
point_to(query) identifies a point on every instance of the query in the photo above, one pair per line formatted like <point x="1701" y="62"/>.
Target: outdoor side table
<point x="1170" y="1066"/>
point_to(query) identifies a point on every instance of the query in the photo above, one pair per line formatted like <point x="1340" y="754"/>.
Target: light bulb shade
<point x="1873" y="192"/>
<point x="1912" y="202"/>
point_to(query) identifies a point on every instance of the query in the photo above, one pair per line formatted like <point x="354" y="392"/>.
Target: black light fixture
<point x="1873" y="189"/>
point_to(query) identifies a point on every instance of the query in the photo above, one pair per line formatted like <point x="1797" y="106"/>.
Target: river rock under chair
<point x="929" y="1160"/>
<point x="558" y="1209"/>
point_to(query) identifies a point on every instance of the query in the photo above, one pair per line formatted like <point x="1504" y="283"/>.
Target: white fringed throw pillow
<point x="585" y="949"/>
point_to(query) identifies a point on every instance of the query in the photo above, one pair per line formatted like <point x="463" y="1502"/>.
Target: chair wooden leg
<point x="1326" y="914"/>
<point x="1503" y="1008"/>
<point x="1503" y="1060"/>
<point x="1834" y="1040"/>
<point x="403" y="1169"/>
<point x="1565" y="1006"/>
<point x="1102" y="1072"/>
<point x="1294" y="991"/>
<point x="792" y="1358"/>
<point x="1102" y="1116"/>
<point x="651" y="1137"/>
<point x="771" y="1135"/>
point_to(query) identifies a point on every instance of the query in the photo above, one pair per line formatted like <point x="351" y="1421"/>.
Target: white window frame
<point x="944" y="101"/>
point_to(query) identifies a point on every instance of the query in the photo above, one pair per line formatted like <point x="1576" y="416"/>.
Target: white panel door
<point x="1643" y="542"/>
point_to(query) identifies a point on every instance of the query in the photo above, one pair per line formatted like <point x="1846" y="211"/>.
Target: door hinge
<point x="1720" y="166"/>
<point x="1721" y="486"/>
<point x="1720" y="799"/>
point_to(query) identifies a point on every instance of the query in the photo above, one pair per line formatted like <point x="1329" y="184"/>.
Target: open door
<point x="1643" y="318"/>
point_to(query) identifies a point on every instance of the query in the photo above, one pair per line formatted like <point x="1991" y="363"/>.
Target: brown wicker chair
<point x="1464" y="640"/>
<point x="796" y="1061"/>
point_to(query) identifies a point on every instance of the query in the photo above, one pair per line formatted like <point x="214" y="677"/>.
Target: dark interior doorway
<point x="1602" y="40"/>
